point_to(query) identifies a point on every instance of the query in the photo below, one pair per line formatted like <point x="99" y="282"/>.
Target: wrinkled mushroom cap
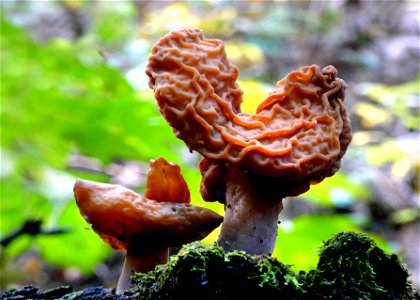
<point x="120" y="215"/>
<point x="298" y="134"/>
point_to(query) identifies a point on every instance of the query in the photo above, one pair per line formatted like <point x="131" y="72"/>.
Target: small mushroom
<point x="296" y="138"/>
<point x="145" y="228"/>
<point x="165" y="183"/>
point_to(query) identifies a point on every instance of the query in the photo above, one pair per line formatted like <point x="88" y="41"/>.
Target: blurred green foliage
<point x="56" y="103"/>
<point x="395" y="101"/>
<point x="61" y="99"/>
<point x="300" y="239"/>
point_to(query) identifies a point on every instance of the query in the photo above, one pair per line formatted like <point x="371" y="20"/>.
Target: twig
<point x="33" y="228"/>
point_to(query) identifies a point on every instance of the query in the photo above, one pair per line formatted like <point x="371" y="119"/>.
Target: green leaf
<point x="389" y="151"/>
<point x="339" y="190"/>
<point x="372" y="115"/>
<point x="19" y="203"/>
<point x="300" y="239"/>
<point x="113" y="23"/>
<point x="81" y="247"/>
<point x="400" y="100"/>
<point x="19" y="246"/>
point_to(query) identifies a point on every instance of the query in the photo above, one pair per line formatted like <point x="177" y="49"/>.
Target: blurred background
<point x="75" y="103"/>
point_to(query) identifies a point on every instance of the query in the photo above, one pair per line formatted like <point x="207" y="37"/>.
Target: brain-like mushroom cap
<point x="298" y="134"/>
<point x="119" y="215"/>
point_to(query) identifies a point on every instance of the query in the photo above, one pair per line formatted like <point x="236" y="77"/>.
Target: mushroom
<point x="144" y="227"/>
<point x="296" y="138"/>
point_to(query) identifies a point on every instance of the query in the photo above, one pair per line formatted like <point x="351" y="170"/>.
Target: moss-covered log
<point x="63" y="293"/>
<point x="351" y="266"/>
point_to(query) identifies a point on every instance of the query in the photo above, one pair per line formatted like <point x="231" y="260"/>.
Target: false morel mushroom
<point x="296" y="138"/>
<point x="144" y="227"/>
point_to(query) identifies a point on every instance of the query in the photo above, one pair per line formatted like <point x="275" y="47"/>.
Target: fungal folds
<point x="300" y="130"/>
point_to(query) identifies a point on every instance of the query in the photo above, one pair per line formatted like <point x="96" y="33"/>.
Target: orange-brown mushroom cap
<point x="298" y="134"/>
<point x="166" y="183"/>
<point x="120" y="215"/>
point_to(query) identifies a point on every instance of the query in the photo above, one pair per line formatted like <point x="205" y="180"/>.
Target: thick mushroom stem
<point x="139" y="260"/>
<point x="251" y="220"/>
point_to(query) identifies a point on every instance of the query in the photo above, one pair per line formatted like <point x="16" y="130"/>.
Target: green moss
<point x="351" y="266"/>
<point x="207" y="272"/>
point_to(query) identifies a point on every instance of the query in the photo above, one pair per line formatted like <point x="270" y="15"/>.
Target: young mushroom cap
<point x="119" y="215"/>
<point x="165" y="182"/>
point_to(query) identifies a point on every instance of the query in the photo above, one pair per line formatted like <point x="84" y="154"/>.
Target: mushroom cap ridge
<point x="300" y="131"/>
